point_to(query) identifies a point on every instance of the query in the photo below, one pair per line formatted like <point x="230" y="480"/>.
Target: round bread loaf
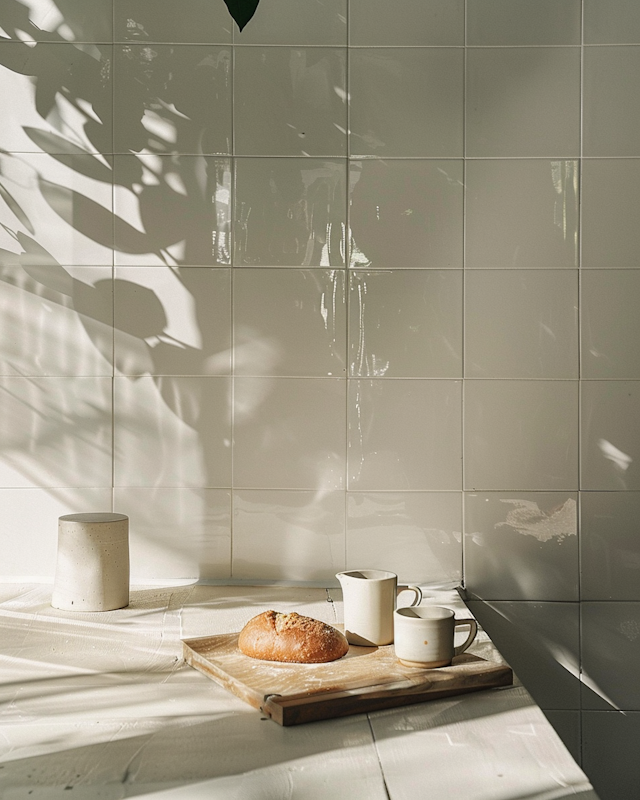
<point x="273" y="636"/>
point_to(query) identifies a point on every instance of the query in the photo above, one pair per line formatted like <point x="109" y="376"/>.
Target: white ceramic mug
<point x="370" y="597"/>
<point x="424" y="636"/>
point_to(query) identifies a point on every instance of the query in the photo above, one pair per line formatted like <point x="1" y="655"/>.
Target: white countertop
<point x="102" y="706"/>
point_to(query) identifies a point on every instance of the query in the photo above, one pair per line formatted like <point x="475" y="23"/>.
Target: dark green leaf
<point x="242" y="10"/>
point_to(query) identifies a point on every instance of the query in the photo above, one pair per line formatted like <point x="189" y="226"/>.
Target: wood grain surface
<point x="365" y="679"/>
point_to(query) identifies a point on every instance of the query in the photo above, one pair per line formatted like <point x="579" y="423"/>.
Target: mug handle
<point x="417" y="591"/>
<point x="472" y="634"/>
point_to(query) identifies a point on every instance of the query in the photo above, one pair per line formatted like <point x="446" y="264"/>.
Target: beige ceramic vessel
<point x="92" y="567"/>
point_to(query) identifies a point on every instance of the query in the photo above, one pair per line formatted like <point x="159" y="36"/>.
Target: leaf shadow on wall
<point x="172" y="212"/>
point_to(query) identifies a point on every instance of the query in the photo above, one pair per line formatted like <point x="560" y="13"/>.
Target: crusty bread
<point x="273" y="636"/>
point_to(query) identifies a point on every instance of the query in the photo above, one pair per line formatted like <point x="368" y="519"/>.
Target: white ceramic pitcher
<point x="370" y="597"/>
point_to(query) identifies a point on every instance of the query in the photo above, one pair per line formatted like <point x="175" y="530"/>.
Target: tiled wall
<point x="344" y="288"/>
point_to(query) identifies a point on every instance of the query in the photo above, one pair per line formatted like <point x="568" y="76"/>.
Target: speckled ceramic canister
<point x="92" y="567"/>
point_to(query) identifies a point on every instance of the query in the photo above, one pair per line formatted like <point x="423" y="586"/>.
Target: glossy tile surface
<point x="611" y="93"/>
<point x="404" y="434"/>
<point x="172" y="431"/>
<point x="56" y="97"/>
<point x="406" y="22"/>
<point x="172" y="209"/>
<point x="521" y="546"/>
<point x="610" y="552"/>
<point x="159" y="93"/>
<point x="44" y="20"/>
<point x="567" y="725"/>
<point x="290" y="212"/>
<point x="406" y="102"/>
<point x="181" y="21"/>
<point x="414" y="534"/>
<point x="280" y="22"/>
<point x="521" y="324"/>
<point x="290" y="101"/>
<point x="55" y="321"/>
<point x="609" y="752"/>
<point x="610" y="653"/>
<point x="610" y="324"/>
<point x="521" y="435"/>
<point x="521" y="214"/>
<point x="32" y="517"/>
<point x="177" y="533"/>
<point x="406" y="213"/>
<point x="289" y="322"/>
<point x="532" y="22"/>
<point x="289" y="433"/>
<point x="170" y="322"/>
<point x="288" y="535"/>
<point x="405" y="323"/>
<point x="540" y="643"/>
<point x="610" y="444"/>
<point x="55" y="432"/>
<point x="616" y="23"/>
<point x="56" y="211"/>
<point x="610" y="234"/>
<point x="543" y="121"/>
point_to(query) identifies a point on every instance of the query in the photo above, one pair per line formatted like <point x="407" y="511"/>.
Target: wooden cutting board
<point x="365" y="679"/>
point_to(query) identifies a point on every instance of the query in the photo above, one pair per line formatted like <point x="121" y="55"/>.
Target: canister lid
<point x="93" y="517"/>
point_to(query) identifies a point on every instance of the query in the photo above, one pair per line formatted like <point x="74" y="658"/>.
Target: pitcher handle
<point x="416" y="590"/>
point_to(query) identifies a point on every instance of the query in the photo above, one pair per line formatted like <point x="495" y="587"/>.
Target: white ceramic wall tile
<point x="567" y="726"/>
<point x="521" y="324"/>
<point x="30" y="522"/>
<point x="405" y="323"/>
<point x="173" y="432"/>
<point x="170" y="322"/>
<point x="177" y="533"/>
<point x="283" y="535"/>
<point x="289" y="322"/>
<point x="611" y="93"/>
<point x="57" y="210"/>
<point x="406" y="22"/>
<point x="281" y="22"/>
<point x="43" y="20"/>
<point x="610" y="233"/>
<point x="610" y="324"/>
<point x="417" y="535"/>
<point x="55" y="432"/>
<point x="503" y="120"/>
<point x="172" y="210"/>
<point x="521" y="435"/>
<point x="610" y="655"/>
<point x="540" y="642"/>
<point x="158" y="94"/>
<point x="610" y="444"/>
<point x="406" y="102"/>
<point x="289" y="433"/>
<point x="197" y="21"/>
<point x="406" y="213"/>
<point x="55" y="321"/>
<point x="521" y="214"/>
<point x="75" y="78"/>
<point x="617" y="22"/>
<point x="530" y="22"/>
<point x="521" y="546"/>
<point x="290" y="212"/>
<point x="290" y="101"/>
<point x="404" y="434"/>
<point x="610" y="545"/>
<point x="610" y="752"/>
